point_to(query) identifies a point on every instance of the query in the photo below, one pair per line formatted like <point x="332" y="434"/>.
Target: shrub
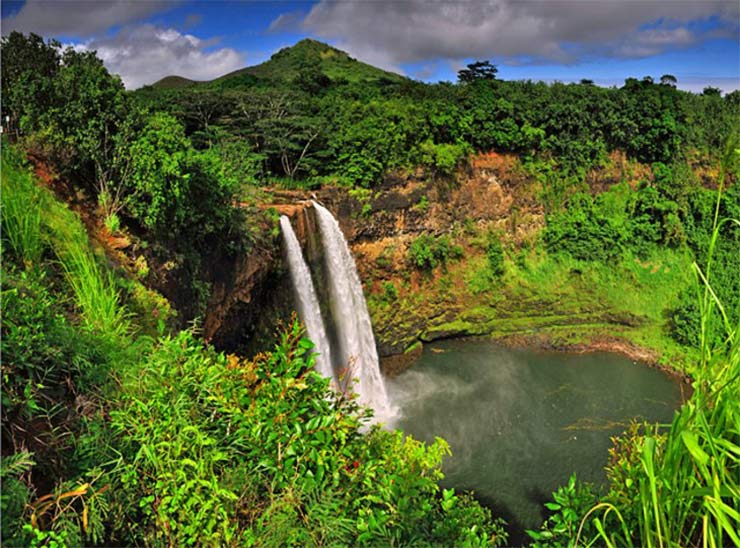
<point x="685" y="323"/>
<point x="158" y="176"/>
<point x="390" y="293"/>
<point x="427" y="252"/>
<point x="495" y="255"/>
<point x="443" y="158"/>
<point x="582" y="232"/>
<point x="16" y="495"/>
<point x="421" y="253"/>
<point x="217" y="449"/>
<point x="569" y="504"/>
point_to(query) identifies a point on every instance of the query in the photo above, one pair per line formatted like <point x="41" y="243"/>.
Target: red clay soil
<point x="84" y="207"/>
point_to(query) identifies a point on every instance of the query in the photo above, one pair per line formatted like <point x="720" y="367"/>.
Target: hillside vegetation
<point x="120" y="427"/>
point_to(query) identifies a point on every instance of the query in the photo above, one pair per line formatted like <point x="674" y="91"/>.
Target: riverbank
<point x="395" y="364"/>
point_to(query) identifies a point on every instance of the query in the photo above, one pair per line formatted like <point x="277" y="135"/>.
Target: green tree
<point x="29" y="67"/>
<point x="90" y="123"/>
<point x="159" y="180"/>
<point x="479" y="70"/>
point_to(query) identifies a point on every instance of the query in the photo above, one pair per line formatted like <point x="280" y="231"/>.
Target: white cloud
<point x="143" y="54"/>
<point x="564" y="31"/>
<point x="79" y="17"/>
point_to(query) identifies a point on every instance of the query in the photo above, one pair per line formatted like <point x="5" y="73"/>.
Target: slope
<point x="307" y="60"/>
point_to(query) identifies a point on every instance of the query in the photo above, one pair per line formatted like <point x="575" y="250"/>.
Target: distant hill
<point x="174" y="82"/>
<point x="307" y="59"/>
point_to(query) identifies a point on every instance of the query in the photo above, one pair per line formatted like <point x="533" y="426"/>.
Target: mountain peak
<point x="288" y="63"/>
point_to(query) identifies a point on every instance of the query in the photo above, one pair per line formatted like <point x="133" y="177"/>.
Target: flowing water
<point x="356" y="356"/>
<point x="520" y="422"/>
<point x="306" y="300"/>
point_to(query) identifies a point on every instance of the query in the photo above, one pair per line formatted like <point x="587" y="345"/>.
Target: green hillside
<point x="174" y="82"/>
<point x="307" y="60"/>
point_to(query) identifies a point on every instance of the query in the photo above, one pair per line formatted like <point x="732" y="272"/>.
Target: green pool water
<point x="519" y="422"/>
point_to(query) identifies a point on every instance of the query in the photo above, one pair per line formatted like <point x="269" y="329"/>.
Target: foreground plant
<point x="217" y="449"/>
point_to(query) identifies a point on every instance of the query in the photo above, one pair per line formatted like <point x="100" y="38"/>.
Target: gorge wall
<point x="408" y="306"/>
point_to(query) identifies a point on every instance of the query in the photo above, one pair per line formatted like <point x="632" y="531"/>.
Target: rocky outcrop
<point x="242" y="292"/>
<point x="252" y="293"/>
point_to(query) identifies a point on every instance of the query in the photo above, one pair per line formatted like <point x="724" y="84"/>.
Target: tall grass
<point x="29" y="233"/>
<point x="21" y="209"/>
<point x="93" y="285"/>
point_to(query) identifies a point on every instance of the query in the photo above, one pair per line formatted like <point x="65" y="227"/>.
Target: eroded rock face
<point x="242" y="292"/>
<point x="251" y="293"/>
<point x="379" y="226"/>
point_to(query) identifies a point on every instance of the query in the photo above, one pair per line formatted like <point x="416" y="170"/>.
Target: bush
<point x="390" y="293"/>
<point x="421" y="253"/>
<point x="16" y="495"/>
<point x="427" y="252"/>
<point x="443" y="158"/>
<point x="582" y="232"/>
<point x="685" y="321"/>
<point x="495" y="255"/>
<point x="569" y="504"/>
<point x="159" y="180"/>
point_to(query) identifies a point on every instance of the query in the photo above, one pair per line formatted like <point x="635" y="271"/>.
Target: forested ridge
<point x="122" y="427"/>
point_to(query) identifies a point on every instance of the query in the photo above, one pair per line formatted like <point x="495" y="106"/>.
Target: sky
<point x="697" y="41"/>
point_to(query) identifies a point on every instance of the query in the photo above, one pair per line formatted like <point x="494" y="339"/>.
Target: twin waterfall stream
<point x="353" y="354"/>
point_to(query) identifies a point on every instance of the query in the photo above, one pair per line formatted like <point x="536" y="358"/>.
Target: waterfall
<point x="308" y="304"/>
<point x="355" y="332"/>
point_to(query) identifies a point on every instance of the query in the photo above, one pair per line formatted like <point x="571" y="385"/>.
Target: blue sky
<point x="565" y="40"/>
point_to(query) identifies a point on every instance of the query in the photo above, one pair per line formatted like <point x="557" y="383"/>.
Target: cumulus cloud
<point x="564" y="31"/>
<point x="143" y="54"/>
<point x="78" y="17"/>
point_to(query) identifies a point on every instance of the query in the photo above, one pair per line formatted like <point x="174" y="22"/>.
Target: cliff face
<point x="409" y="306"/>
<point x="250" y="295"/>
<point x="252" y="292"/>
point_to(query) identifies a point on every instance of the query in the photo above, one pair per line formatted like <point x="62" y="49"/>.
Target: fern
<point x="16" y="464"/>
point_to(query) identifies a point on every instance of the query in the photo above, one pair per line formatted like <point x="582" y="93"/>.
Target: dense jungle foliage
<point x="113" y="435"/>
<point x="118" y="429"/>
